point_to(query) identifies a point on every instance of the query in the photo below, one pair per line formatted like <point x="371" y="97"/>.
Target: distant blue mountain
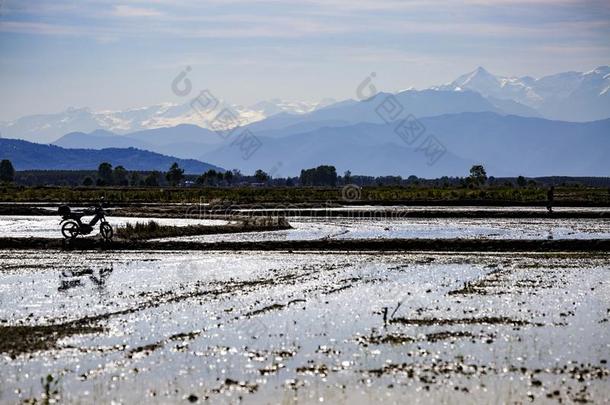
<point x="191" y="141"/>
<point x="100" y="139"/>
<point x="186" y="133"/>
<point x="424" y="103"/>
<point x="32" y="156"/>
<point x="501" y="133"/>
<point x="506" y="145"/>
<point x="185" y="140"/>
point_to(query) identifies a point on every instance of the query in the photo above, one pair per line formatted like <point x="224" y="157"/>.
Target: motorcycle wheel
<point x="106" y="231"/>
<point x="69" y="230"/>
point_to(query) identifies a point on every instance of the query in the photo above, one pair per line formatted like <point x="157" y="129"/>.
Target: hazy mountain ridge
<point x="49" y="127"/>
<point x="189" y="141"/>
<point x="422" y="103"/>
<point x="185" y="140"/>
<point x="100" y="139"/>
<point x="506" y="145"/>
<point x="509" y="144"/>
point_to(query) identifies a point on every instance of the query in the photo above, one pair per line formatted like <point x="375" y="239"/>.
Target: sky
<point x="109" y="55"/>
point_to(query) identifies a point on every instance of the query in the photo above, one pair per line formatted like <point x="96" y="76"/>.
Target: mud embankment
<point x="379" y="245"/>
<point x="404" y="213"/>
<point x="18" y="339"/>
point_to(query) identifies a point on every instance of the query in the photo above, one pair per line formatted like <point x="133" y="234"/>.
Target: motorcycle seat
<point x="77" y="215"/>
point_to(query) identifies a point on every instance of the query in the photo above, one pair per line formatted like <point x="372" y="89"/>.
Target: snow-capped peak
<point x="49" y="127"/>
<point x="479" y="78"/>
<point x="553" y="95"/>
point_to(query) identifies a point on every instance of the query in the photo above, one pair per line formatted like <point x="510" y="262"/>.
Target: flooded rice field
<point x="429" y="228"/>
<point x="307" y="228"/>
<point x="261" y="327"/>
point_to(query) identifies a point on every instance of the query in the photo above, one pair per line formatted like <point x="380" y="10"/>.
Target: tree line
<point x="321" y="176"/>
<point x="119" y="176"/>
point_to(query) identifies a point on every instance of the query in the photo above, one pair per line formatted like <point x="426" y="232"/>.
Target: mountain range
<point x="568" y="96"/>
<point x="507" y="145"/>
<point x="502" y="122"/>
<point x="185" y="140"/>
<point x="47" y="128"/>
<point x="190" y="141"/>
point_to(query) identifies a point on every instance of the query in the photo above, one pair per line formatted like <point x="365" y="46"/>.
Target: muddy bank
<point x="21" y="209"/>
<point x="328" y="210"/>
<point x="403" y="213"/>
<point x="462" y="321"/>
<point x="470" y="245"/>
<point x="15" y="340"/>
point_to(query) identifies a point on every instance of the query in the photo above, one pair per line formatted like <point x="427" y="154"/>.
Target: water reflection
<point x="77" y="278"/>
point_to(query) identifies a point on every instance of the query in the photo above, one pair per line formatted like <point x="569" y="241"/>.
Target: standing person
<point x="550" y="196"/>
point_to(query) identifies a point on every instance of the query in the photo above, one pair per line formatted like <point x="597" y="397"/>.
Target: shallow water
<point x="489" y="228"/>
<point x="390" y="224"/>
<point x="304" y="328"/>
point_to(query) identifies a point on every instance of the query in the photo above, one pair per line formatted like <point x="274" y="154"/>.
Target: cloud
<point x="129" y="11"/>
<point x="24" y="27"/>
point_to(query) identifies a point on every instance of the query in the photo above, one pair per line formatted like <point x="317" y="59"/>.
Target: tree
<point x="219" y="177"/>
<point x="201" y="180"/>
<point x="152" y="180"/>
<point x="229" y="177"/>
<point x="319" y="176"/>
<point x="135" y="179"/>
<point x="413" y="179"/>
<point x="7" y="171"/>
<point x="104" y="174"/>
<point x="175" y="175"/>
<point x="521" y="182"/>
<point x="261" y="176"/>
<point x="478" y="176"/>
<point x="208" y="178"/>
<point x="347" y="177"/>
<point x="88" y="182"/>
<point x="119" y="176"/>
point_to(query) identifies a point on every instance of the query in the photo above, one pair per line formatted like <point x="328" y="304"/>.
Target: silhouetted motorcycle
<point x="73" y="226"/>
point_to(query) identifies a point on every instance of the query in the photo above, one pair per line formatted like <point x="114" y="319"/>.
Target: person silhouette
<point x="550" y="197"/>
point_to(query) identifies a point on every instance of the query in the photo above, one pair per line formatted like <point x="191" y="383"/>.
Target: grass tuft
<point x="153" y="230"/>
